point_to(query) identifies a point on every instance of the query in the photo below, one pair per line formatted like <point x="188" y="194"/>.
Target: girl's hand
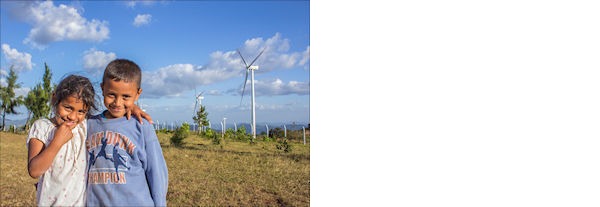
<point x="40" y="156"/>
<point x="64" y="133"/>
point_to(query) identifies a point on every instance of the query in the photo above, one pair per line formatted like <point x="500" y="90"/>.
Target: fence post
<point x="304" y="135"/>
<point x="222" y="132"/>
<point x="267" y="130"/>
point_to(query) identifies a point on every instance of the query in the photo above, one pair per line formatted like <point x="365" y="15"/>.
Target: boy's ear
<point x="139" y="91"/>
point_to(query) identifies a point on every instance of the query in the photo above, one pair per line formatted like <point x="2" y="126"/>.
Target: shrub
<point x="209" y="132"/>
<point x="180" y="134"/>
<point x="284" y="146"/>
<point x="229" y="133"/>
<point x="276" y="132"/>
<point x="241" y="134"/>
<point x="216" y="139"/>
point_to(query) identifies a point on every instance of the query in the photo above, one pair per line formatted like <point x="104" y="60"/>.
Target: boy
<point x="126" y="167"/>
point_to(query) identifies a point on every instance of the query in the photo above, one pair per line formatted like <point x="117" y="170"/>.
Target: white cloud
<point x="276" y="55"/>
<point x="95" y="61"/>
<point x="3" y="75"/>
<point x="58" y="23"/>
<point x="22" y="91"/>
<point x="276" y="87"/>
<point x="305" y="57"/>
<point x="20" y="61"/>
<point x="18" y="91"/>
<point x="132" y="4"/>
<point x="174" y="79"/>
<point x="142" y="19"/>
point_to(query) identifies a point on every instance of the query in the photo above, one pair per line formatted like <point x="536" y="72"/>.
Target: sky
<point x="184" y="48"/>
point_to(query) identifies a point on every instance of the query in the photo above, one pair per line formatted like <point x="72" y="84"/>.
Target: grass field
<point x="200" y="173"/>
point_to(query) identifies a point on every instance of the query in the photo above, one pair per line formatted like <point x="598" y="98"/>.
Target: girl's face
<point x="70" y="111"/>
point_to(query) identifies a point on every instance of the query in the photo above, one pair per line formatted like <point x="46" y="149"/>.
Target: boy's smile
<point x="119" y="97"/>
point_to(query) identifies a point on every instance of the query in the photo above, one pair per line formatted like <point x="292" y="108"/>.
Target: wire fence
<point x="279" y="130"/>
<point x="291" y="130"/>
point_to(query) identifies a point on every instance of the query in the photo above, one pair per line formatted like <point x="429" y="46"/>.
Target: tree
<point x="201" y="117"/>
<point x="7" y="94"/>
<point x="38" y="99"/>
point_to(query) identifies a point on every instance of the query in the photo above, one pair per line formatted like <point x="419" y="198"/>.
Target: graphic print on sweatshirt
<point x="109" y="164"/>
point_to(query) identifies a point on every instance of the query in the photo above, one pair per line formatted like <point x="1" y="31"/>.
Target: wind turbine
<point x="251" y="68"/>
<point x="199" y="98"/>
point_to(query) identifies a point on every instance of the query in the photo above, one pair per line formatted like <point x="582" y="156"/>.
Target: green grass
<point x="200" y="173"/>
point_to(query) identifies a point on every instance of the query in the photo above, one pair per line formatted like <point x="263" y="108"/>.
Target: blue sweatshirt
<point x="126" y="166"/>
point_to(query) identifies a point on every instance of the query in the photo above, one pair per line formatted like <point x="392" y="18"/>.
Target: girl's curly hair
<point x="77" y="86"/>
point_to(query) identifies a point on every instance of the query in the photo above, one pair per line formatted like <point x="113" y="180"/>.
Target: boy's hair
<point x="78" y="86"/>
<point x="123" y="69"/>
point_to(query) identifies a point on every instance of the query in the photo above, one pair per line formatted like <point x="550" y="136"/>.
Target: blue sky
<point x="183" y="48"/>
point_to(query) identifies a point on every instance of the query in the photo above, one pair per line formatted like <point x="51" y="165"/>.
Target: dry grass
<point x="200" y="174"/>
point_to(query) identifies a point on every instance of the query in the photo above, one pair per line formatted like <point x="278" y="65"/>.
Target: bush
<point x="229" y="133"/>
<point x="284" y="146"/>
<point x="241" y="134"/>
<point x="276" y="132"/>
<point x="180" y="134"/>
<point x="209" y="133"/>
<point x="216" y="139"/>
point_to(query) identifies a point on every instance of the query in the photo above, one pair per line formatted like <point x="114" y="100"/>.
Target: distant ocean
<point x="260" y="127"/>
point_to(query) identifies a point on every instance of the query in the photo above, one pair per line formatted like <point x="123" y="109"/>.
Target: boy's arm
<point x="156" y="168"/>
<point x="39" y="157"/>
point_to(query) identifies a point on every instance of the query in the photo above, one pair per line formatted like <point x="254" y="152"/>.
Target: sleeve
<point x="156" y="168"/>
<point x="39" y="130"/>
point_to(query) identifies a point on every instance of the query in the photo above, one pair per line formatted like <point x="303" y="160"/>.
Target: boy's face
<point x="119" y="97"/>
<point x="70" y="111"/>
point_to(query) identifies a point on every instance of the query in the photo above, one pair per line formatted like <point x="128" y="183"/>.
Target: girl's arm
<point x="40" y="157"/>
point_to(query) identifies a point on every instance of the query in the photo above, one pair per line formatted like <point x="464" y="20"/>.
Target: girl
<point x="57" y="153"/>
<point x="56" y="146"/>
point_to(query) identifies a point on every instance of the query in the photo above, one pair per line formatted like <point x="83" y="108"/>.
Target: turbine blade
<point x="245" y="64"/>
<point x="243" y="90"/>
<point x="261" y="52"/>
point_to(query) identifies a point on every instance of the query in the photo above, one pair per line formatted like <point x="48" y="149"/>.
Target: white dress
<point x="64" y="183"/>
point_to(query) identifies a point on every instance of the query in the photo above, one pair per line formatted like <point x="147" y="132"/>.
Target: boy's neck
<point x="107" y="115"/>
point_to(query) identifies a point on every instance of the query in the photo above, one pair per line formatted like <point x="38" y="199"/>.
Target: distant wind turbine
<point x="199" y="98"/>
<point x="251" y="68"/>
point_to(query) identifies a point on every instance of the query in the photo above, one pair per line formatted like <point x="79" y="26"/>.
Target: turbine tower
<point x="199" y="98"/>
<point x="251" y="68"/>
